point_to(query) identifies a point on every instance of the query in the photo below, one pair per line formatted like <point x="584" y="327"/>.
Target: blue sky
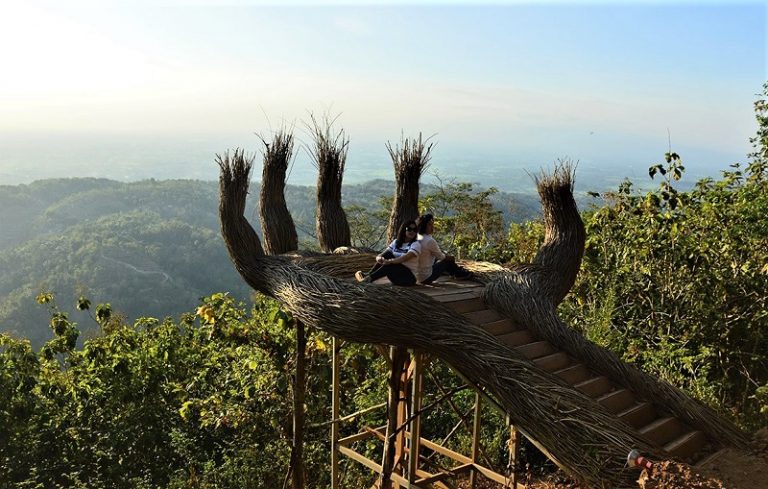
<point x="514" y="83"/>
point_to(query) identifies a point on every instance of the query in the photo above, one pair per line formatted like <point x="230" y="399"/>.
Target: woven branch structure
<point x="277" y="226"/>
<point x="529" y="294"/>
<point x="577" y="433"/>
<point x="410" y="159"/>
<point x="330" y="157"/>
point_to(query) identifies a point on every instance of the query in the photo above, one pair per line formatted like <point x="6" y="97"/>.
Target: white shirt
<point x="412" y="263"/>
<point x="429" y="252"/>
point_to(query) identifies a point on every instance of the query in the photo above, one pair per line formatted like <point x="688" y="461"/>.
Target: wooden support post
<point x="335" y="365"/>
<point x="298" y="474"/>
<point x="392" y="450"/>
<point x="514" y="451"/>
<point x="415" y="428"/>
<point x="475" y="440"/>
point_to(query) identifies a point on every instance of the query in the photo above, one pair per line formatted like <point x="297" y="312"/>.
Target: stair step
<point x="553" y="362"/>
<point x="517" y="338"/>
<point x="574" y="374"/>
<point x="596" y="386"/>
<point x="468" y="305"/>
<point x="662" y="430"/>
<point x="484" y="316"/>
<point x="536" y="349"/>
<point x="617" y="401"/>
<point x="638" y="415"/>
<point x="499" y="327"/>
<point x="711" y="459"/>
<point x="686" y="445"/>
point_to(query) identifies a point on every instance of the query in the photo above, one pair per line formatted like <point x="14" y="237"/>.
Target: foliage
<point x="675" y="281"/>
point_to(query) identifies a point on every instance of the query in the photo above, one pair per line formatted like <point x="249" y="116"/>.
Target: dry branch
<point x="276" y="223"/>
<point x="329" y="156"/>
<point x="410" y="159"/>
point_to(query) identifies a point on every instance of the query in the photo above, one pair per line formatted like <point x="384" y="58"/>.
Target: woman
<point x="399" y="261"/>
<point x="432" y="261"/>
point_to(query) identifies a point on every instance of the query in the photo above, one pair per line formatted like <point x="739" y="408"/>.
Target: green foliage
<point x="675" y="282"/>
<point x="467" y="223"/>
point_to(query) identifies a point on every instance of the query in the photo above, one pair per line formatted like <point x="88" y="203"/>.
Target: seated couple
<point x="414" y="258"/>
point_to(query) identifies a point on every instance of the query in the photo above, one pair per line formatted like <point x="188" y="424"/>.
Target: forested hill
<point x="149" y="247"/>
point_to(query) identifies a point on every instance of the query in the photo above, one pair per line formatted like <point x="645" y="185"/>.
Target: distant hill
<point x="149" y="247"/>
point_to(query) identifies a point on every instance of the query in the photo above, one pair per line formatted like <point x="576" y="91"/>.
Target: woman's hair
<point x="423" y="221"/>
<point x="401" y="237"/>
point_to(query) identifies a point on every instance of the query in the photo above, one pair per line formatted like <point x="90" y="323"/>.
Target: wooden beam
<point x="361" y="459"/>
<point x="415" y="435"/>
<point x="429" y="479"/>
<point x="455" y="456"/>
<point x="335" y="366"/>
<point x="513" y="446"/>
<point x="369" y="432"/>
<point x="392" y="451"/>
<point x="475" y="440"/>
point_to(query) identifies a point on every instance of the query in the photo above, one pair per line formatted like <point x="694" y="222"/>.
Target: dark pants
<point x="387" y="255"/>
<point x="398" y="273"/>
<point x="450" y="267"/>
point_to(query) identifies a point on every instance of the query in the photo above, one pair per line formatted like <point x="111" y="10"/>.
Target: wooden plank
<point x="500" y="327"/>
<point x="475" y="440"/>
<point x="638" y="415"/>
<point x="484" y="316"/>
<point x="440" y="476"/>
<point x="414" y="438"/>
<point x="404" y="482"/>
<point x="335" y="407"/>
<point x="662" y="431"/>
<point x="573" y="374"/>
<point x="617" y="401"/>
<point x="455" y="456"/>
<point x="596" y="386"/>
<point x="363" y="435"/>
<point x="536" y="349"/>
<point x="467" y="305"/>
<point x="686" y="445"/>
<point x="458" y="295"/>
<point x="517" y="338"/>
<point x="361" y="459"/>
<point x="494" y="476"/>
<point x="555" y="361"/>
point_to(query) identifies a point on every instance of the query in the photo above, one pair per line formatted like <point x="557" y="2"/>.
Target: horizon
<point x="141" y="91"/>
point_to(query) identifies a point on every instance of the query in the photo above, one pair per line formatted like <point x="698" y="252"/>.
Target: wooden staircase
<point x="661" y="430"/>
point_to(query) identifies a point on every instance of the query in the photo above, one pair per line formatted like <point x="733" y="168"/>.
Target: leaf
<point x="83" y="304"/>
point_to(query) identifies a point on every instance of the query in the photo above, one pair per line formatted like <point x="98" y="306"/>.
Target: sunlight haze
<point x="518" y="84"/>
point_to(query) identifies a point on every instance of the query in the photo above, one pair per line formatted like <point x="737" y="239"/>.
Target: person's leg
<point x="437" y="269"/>
<point x="375" y="272"/>
<point x="400" y="275"/>
<point x="456" y="271"/>
<point x="388" y="255"/>
<point x="378" y="273"/>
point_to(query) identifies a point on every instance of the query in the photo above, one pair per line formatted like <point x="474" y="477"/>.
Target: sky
<point x="132" y="90"/>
